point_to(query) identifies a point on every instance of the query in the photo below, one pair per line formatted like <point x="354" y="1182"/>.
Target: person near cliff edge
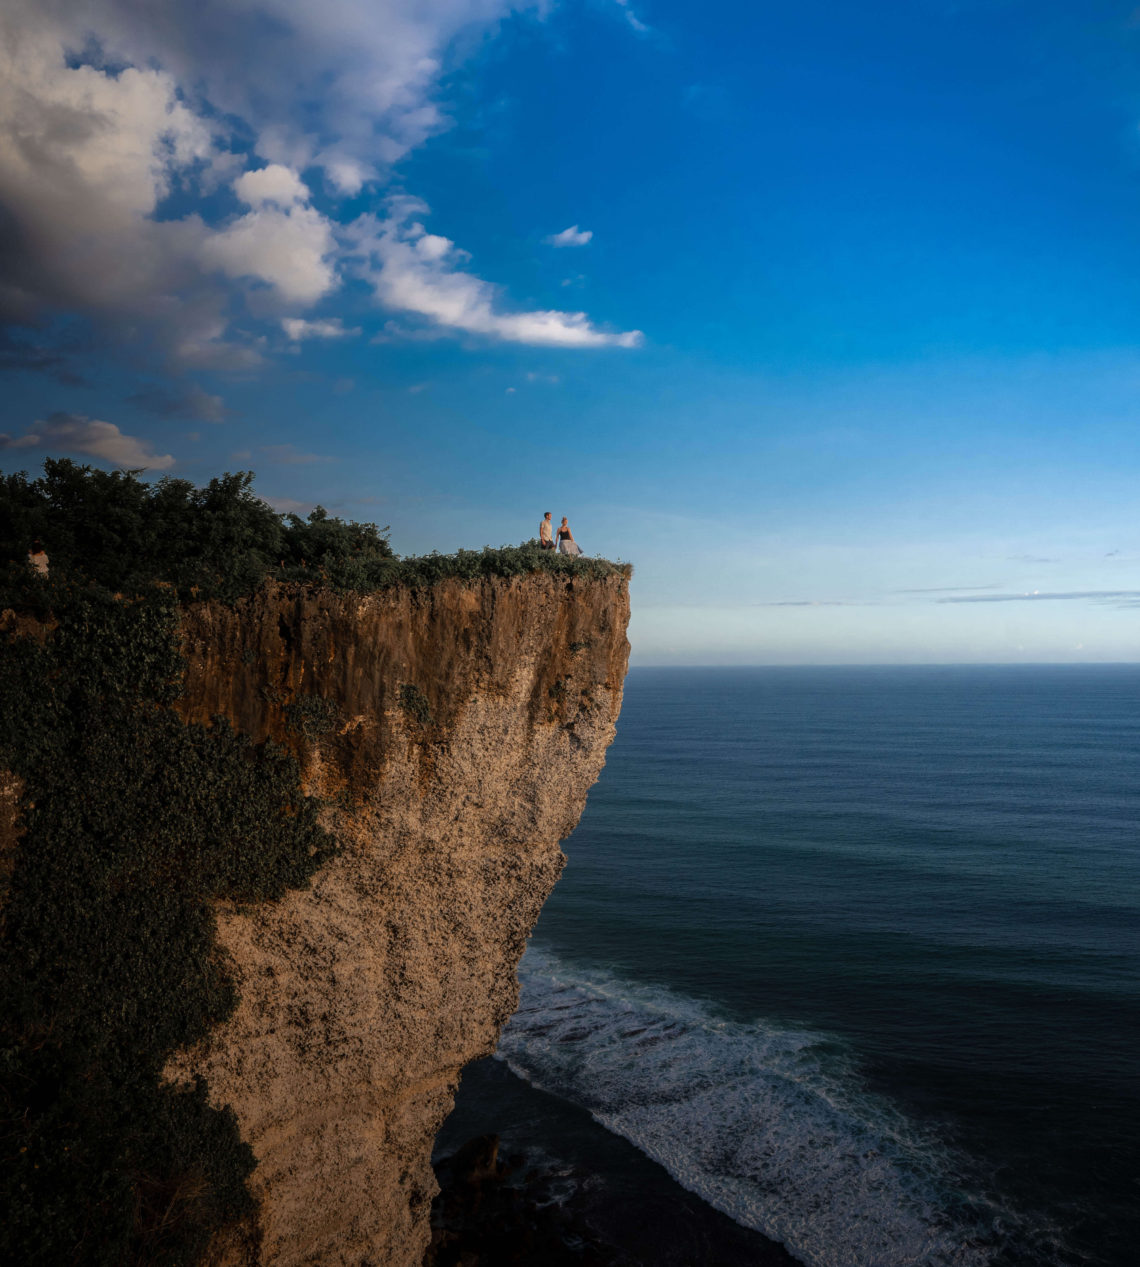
<point x="566" y="542"/>
<point x="546" y="532"/>
<point x="37" y="558"/>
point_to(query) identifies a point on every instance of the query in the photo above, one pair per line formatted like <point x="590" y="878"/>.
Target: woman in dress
<point x="566" y="542"/>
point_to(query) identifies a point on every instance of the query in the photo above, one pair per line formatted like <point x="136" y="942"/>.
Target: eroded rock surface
<point x="456" y="731"/>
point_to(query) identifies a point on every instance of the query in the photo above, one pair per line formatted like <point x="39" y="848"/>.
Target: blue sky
<point x="823" y="315"/>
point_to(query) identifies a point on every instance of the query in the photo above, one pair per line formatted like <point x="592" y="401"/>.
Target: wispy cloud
<point x="813" y="602"/>
<point x="573" y="236"/>
<point x="24" y="350"/>
<point x="190" y="402"/>
<point x="1046" y="596"/>
<point x="171" y="99"/>
<point x="75" y="433"/>
<point x="173" y="174"/>
<point x="413" y="271"/>
<point x="297" y="328"/>
<point x="642" y="28"/>
<point x="946" y="589"/>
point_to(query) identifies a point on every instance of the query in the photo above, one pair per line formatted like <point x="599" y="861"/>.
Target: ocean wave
<point x="770" y="1125"/>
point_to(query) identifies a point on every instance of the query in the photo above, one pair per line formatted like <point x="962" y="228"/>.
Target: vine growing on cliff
<point x="133" y="825"/>
<point x="121" y="827"/>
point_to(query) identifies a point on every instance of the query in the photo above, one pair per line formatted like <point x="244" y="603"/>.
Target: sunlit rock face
<point x="454" y="731"/>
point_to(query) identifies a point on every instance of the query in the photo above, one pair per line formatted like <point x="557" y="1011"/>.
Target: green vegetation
<point x="132" y="827"/>
<point x="110" y="965"/>
<point x="415" y="704"/>
<point x="220" y="541"/>
<point x="501" y="561"/>
<point x="313" y="715"/>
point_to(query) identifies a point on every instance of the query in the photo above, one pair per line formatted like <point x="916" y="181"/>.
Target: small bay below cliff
<point x="607" y="1204"/>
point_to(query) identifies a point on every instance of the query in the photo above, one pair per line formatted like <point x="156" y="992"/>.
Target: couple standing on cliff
<point x="566" y="542"/>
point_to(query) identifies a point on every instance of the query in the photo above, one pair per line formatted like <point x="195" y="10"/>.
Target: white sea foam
<point x="770" y="1125"/>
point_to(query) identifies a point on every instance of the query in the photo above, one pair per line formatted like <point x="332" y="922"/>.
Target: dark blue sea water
<point x="855" y="955"/>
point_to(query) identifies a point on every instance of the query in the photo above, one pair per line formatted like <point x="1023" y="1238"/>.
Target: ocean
<point x="851" y="956"/>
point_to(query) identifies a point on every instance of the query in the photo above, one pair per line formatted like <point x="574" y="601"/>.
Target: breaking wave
<point x="768" y="1124"/>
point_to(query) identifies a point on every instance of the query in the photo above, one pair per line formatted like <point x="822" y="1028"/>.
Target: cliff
<point x="453" y="731"/>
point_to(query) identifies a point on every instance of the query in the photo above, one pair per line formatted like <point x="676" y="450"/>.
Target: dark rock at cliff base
<point x="605" y="1196"/>
<point x="482" y="1218"/>
<point x="520" y="1213"/>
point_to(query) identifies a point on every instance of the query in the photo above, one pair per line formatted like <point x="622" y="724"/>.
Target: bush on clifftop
<point x="221" y="541"/>
<point x="131" y="826"/>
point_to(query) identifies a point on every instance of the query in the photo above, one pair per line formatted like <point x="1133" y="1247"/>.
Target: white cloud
<point x="88" y="154"/>
<point x="85" y="159"/>
<point x="417" y="272"/>
<point x="297" y="328"/>
<point x="634" y="21"/>
<point x="346" y="175"/>
<point x="74" y="433"/>
<point x="109" y="107"/>
<point x="275" y="183"/>
<point x="573" y="236"/>
<point x="290" y="247"/>
<point x="343" y="82"/>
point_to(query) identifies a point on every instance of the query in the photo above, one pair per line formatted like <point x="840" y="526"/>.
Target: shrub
<point x="133" y="825"/>
<point x="415" y="704"/>
<point x="313" y="715"/>
<point x="220" y="541"/>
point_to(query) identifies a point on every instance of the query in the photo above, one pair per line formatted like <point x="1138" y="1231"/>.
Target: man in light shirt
<point x="38" y="560"/>
<point x="546" y="532"/>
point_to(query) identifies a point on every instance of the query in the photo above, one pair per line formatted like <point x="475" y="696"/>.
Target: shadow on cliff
<point x="137" y="801"/>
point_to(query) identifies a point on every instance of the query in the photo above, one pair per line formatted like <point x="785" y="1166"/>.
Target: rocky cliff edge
<point x="454" y="731"/>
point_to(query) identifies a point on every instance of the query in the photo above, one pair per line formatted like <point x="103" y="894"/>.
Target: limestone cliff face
<point x="456" y="731"/>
